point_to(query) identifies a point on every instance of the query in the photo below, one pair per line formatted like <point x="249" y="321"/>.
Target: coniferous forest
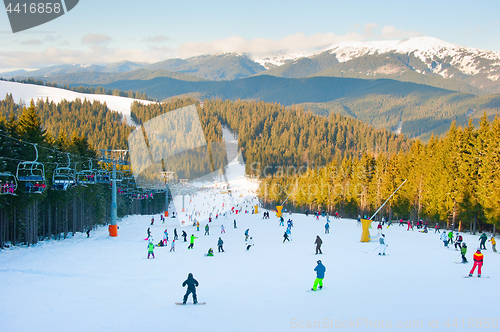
<point x="332" y="163"/>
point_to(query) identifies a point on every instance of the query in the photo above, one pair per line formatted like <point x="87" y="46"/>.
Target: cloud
<point x="295" y="43"/>
<point x="96" y="38"/>
<point x="157" y="39"/>
<point x="31" y="42"/>
<point x="390" y="32"/>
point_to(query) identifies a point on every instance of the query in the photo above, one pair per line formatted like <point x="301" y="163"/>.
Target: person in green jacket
<point x="210" y="252"/>
<point x="483" y="239"/>
<point x="463" y="251"/>
<point x="151" y="247"/>
<point x="191" y="241"/>
<point x="450" y="236"/>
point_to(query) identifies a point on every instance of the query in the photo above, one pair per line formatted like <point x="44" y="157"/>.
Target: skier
<point x="318" y="243"/>
<point x="197" y="226"/>
<point x="450" y="237"/>
<point x="246" y="234"/>
<point x="152" y="220"/>
<point x="88" y="235"/>
<point x="285" y="237"/>
<point x="222" y="230"/>
<point x="165" y="238"/>
<point x="478" y="261"/>
<point x="175" y="234"/>
<point x="282" y="222"/>
<point x="458" y="241"/>
<point x="191" y="288"/>
<point x="250" y="243"/>
<point x="483" y="239"/>
<point x="234" y="223"/>
<point x="219" y="245"/>
<point x="437" y="229"/>
<point x="358" y="223"/>
<point x="445" y="239"/>
<point x="493" y="243"/>
<point x="207" y="229"/>
<point x="184" y="235"/>
<point x="463" y="251"/>
<point x="172" y="247"/>
<point x="320" y="275"/>
<point x="151" y="247"/>
<point x="382" y="245"/>
<point x="327" y="228"/>
<point x="191" y="242"/>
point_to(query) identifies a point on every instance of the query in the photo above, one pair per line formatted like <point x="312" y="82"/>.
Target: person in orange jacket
<point x="493" y="243"/>
<point x="478" y="261"/>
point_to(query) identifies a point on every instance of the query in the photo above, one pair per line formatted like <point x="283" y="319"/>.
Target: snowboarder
<point x="463" y="251"/>
<point x="198" y="226"/>
<point x="191" y="288"/>
<point x="327" y="228"/>
<point x="320" y="275"/>
<point x="445" y="239"/>
<point x="152" y="220"/>
<point x="234" y="223"/>
<point x="172" y="247"/>
<point x="250" y="243"/>
<point x="478" y="261"/>
<point x="184" y="235"/>
<point x="382" y="245"/>
<point x="175" y="234"/>
<point x="151" y="247"/>
<point x="207" y="229"/>
<point x="483" y="239"/>
<point x="458" y="241"/>
<point x="318" y="243"/>
<point x="149" y="233"/>
<point x="219" y="245"/>
<point x="222" y="230"/>
<point x="191" y="241"/>
<point x="210" y="252"/>
<point x="246" y="234"/>
<point x="285" y="237"/>
<point x="493" y="243"/>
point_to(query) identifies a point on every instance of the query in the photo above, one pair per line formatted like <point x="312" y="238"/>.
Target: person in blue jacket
<point x="320" y="274"/>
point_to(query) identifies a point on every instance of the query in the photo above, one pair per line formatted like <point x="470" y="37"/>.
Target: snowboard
<point x="317" y="290"/>
<point x="190" y="303"/>
<point x="477" y="277"/>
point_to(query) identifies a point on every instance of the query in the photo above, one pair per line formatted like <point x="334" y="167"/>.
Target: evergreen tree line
<point x="29" y="218"/>
<point x="452" y="180"/>
<point x="98" y="90"/>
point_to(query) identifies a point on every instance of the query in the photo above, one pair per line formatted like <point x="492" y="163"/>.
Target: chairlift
<point x="63" y="177"/>
<point x="87" y="176"/>
<point x="102" y="176"/>
<point x="32" y="174"/>
<point x="8" y="184"/>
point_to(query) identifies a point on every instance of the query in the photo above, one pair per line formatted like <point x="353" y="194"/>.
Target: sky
<point x="101" y="32"/>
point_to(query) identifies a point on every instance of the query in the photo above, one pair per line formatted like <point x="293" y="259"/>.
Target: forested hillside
<point x="455" y="178"/>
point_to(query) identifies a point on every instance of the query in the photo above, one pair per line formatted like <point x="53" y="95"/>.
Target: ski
<point x="477" y="277"/>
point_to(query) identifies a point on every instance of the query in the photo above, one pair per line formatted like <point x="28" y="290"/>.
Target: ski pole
<point x="376" y="247"/>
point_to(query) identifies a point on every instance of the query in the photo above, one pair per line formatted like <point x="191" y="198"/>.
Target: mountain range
<point x="412" y="82"/>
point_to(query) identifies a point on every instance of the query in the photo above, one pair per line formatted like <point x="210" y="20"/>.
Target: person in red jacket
<point x="478" y="261"/>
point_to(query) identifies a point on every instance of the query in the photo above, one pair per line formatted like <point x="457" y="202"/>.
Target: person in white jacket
<point x="249" y="243"/>
<point x="445" y="239"/>
<point x="382" y="246"/>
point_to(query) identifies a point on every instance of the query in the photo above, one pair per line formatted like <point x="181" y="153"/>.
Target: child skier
<point x="151" y="247"/>
<point x="320" y="275"/>
<point x="450" y="237"/>
<point x="493" y="243"/>
<point x="458" y="241"/>
<point x="382" y="245"/>
<point x="172" y="247"/>
<point x="222" y="230"/>
<point x="445" y="239"/>
<point x="463" y="251"/>
<point x="191" y="288"/>
<point x="478" y="261"/>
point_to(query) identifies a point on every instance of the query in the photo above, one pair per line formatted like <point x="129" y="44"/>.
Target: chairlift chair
<point x="32" y="174"/>
<point x="63" y="177"/>
<point x="8" y="184"/>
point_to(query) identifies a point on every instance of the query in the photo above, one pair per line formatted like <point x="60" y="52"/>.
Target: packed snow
<point x="27" y="92"/>
<point x="107" y="284"/>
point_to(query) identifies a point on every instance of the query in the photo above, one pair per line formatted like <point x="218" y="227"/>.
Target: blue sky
<point x="107" y="31"/>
